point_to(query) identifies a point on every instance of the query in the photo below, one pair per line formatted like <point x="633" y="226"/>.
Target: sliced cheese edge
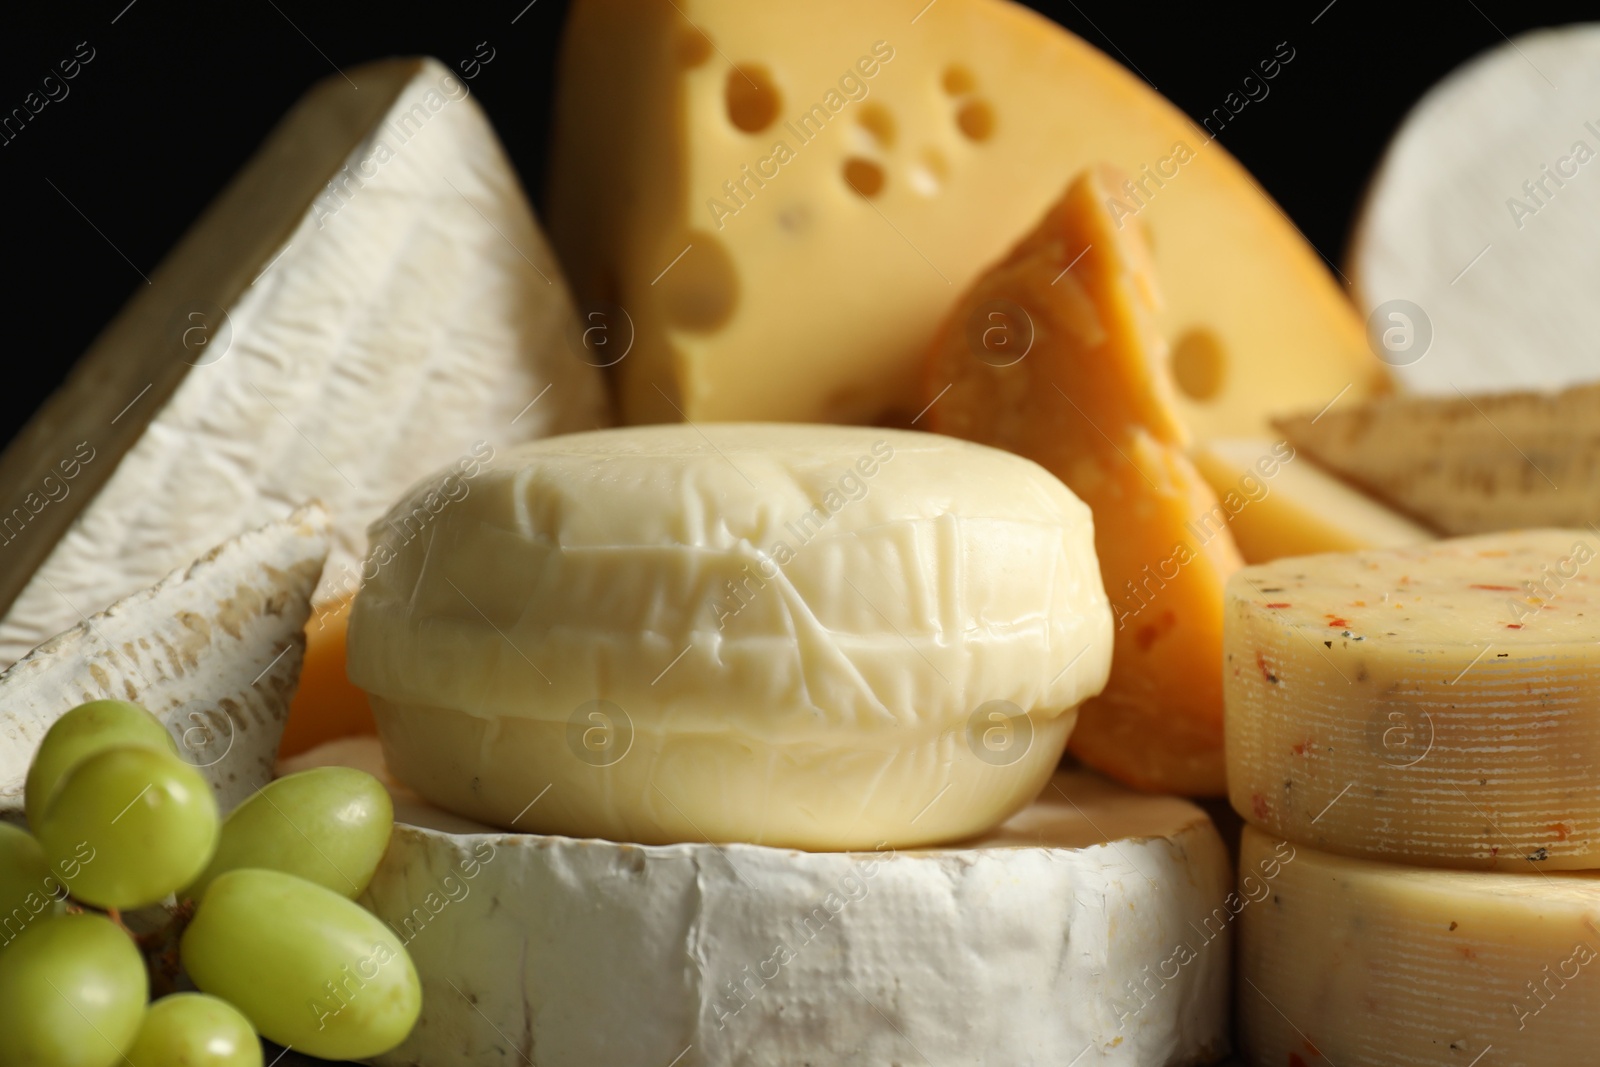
<point x="213" y="650"/>
<point x="593" y="953"/>
<point x="368" y="300"/>
<point x="1277" y="503"/>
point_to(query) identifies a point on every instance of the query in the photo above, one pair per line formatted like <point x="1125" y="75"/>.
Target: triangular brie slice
<point x="369" y="300"/>
<point x="213" y="650"/>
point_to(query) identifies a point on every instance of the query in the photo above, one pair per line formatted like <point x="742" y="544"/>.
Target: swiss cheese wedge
<point x="1054" y="354"/>
<point x="786" y="198"/>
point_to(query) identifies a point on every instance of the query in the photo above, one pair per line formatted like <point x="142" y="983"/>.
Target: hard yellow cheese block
<point x="1278" y="503"/>
<point x="1433" y="705"/>
<point x="774" y="204"/>
<point x="1090" y="401"/>
<point x="1361" y="964"/>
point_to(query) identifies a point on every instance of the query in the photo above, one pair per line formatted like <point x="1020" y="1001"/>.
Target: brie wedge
<point x="369" y="299"/>
<point x="1093" y="927"/>
<point x="213" y="650"/>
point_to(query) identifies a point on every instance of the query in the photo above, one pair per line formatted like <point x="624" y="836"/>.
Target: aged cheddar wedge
<point x="213" y="650"/>
<point x="1476" y="249"/>
<point x="1278" y="503"/>
<point x="1465" y="464"/>
<point x="1090" y="399"/>
<point x="823" y="637"/>
<point x="1432" y="705"/>
<point x="368" y="300"/>
<point x="1360" y="964"/>
<point x="327" y="704"/>
<point x="786" y="198"/>
<point x="1095" y="925"/>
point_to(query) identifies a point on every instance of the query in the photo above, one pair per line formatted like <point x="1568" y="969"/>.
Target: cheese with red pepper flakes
<point x="1362" y="964"/>
<point x="1437" y="705"/>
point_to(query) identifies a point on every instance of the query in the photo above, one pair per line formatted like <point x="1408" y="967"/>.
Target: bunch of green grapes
<point x="261" y="909"/>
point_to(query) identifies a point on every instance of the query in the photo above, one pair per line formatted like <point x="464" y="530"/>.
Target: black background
<point x="180" y="93"/>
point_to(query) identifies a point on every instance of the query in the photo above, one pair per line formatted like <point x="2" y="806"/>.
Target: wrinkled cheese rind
<point x="407" y="313"/>
<point x="800" y="601"/>
<point x="1044" y="941"/>
<point x="1364" y="964"/>
<point x="213" y="650"/>
<point x="1432" y="705"/>
<point x="814" y="302"/>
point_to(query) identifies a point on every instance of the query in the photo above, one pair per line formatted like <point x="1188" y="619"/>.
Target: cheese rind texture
<point x="1363" y="964"/>
<point x="1465" y="465"/>
<point x="1080" y="386"/>
<point x="407" y="315"/>
<point x="213" y="650"/>
<point x="1431" y="705"/>
<point x="1043" y="940"/>
<point x="786" y="199"/>
<point x="1476" y="270"/>
<point x="769" y="633"/>
<point x="1276" y="502"/>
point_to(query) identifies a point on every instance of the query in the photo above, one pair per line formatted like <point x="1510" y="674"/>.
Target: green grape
<point x="195" y="1030"/>
<point x="148" y="817"/>
<point x="330" y="826"/>
<point x="80" y="733"/>
<point x="309" y="968"/>
<point x="72" y="994"/>
<point x="28" y="891"/>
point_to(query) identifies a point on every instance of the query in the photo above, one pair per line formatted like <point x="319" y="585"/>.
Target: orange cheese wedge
<point x="327" y="705"/>
<point x="1054" y="354"/>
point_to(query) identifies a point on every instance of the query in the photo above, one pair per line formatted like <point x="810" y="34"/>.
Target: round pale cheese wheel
<point x="815" y="636"/>
<point x="1475" y="254"/>
<point x="1093" y="927"/>
<point x="1433" y="705"/>
<point x="1364" y="964"/>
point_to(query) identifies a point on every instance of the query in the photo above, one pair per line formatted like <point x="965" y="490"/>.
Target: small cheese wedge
<point x="1364" y="964"/>
<point x="369" y="299"/>
<point x="1463" y="464"/>
<point x="786" y="198"/>
<point x="1277" y="503"/>
<point x="1475" y="252"/>
<point x="327" y="704"/>
<point x="1090" y="399"/>
<point x="213" y="650"/>
<point x="1431" y="705"/>
<point x="824" y="637"/>
<point x="1094" y="924"/>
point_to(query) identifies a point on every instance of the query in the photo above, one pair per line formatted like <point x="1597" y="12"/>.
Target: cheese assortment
<point x="1357" y="963"/>
<point x="739" y="740"/>
<point x="1094" y="923"/>
<point x="814" y="636"/>
<point x="369" y="299"/>
<point x="811" y="190"/>
<point x="1433" y="705"/>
